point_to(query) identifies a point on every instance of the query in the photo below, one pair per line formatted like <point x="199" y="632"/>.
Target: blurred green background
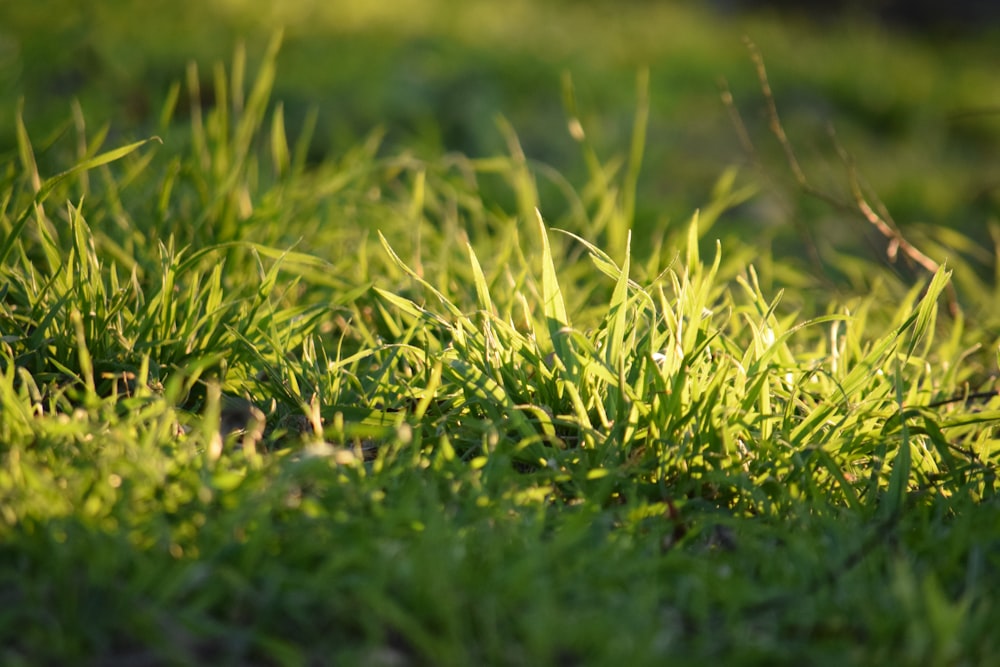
<point x="917" y="109"/>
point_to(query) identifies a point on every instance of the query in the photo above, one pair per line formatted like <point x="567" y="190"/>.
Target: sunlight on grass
<point x="387" y="409"/>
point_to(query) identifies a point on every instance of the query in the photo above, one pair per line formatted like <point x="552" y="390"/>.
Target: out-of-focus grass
<point x="436" y="74"/>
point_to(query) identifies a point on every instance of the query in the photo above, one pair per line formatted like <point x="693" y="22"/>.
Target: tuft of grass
<point x="262" y="410"/>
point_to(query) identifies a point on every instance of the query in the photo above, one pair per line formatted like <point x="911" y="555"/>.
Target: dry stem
<point x="876" y="215"/>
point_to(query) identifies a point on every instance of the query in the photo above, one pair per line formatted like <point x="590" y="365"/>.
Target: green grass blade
<point x="482" y="289"/>
<point x="618" y="312"/>
<point x="553" y="306"/>
<point x="451" y="308"/>
<point x="25" y="151"/>
<point x="927" y="310"/>
<point x="902" y="465"/>
<point x="636" y="149"/>
<point x="280" y="154"/>
<point x="104" y="158"/>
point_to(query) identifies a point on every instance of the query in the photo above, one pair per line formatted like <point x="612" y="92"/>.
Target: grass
<point x="398" y="407"/>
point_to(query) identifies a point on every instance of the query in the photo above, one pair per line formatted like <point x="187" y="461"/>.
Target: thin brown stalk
<point x="876" y="215"/>
<point x="748" y="147"/>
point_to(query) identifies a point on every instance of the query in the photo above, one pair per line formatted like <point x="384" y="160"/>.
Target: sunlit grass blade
<point x="554" y="307"/>
<point x="618" y="312"/>
<point x="482" y="289"/>
<point x="25" y="152"/>
<point x="927" y="310"/>
<point x="449" y="306"/>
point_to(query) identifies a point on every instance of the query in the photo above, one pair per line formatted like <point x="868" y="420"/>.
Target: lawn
<point x="495" y="334"/>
